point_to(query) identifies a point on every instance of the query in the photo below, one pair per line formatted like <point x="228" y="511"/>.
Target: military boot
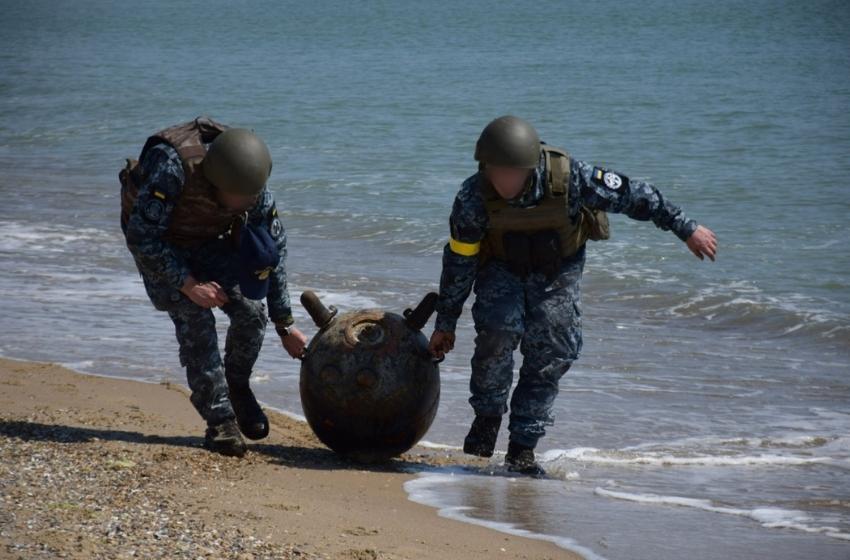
<point x="520" y="459"/>
<point x="481" y="439"/>
<point x="251" y="419"/>
<point x="225" y="438"/>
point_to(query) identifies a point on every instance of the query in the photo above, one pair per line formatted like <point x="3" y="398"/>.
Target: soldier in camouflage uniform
<point x="204" y="232"/>
<point x="518" y="231"/>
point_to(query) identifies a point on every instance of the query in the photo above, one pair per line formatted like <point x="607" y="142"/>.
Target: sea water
<point x="709" y="414"/>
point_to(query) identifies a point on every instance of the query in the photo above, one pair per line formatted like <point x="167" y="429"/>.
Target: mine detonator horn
<point x="416" y="318"/>
<point x="320" y="314"/>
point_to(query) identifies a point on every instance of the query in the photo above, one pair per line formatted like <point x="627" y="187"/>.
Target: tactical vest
<point x="197" y="216"/>
<point x="544" y="234"/>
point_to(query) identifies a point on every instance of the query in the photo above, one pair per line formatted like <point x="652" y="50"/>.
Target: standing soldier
<point x="204" y="232"/>
<point x="518" y="233"/>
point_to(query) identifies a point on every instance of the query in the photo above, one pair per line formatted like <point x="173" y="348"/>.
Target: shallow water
<point x="710" y="407"/>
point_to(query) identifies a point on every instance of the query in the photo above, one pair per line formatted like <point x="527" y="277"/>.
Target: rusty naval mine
<point x="369" y="387"/>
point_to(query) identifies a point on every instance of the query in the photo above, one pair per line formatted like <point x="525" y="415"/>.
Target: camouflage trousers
<point x="209" y="378"/>
<point x="543" y="317"/>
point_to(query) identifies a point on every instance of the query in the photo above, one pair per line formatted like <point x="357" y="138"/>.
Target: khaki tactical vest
<point x="550" y="215"/>
<point x="197" y="216"/>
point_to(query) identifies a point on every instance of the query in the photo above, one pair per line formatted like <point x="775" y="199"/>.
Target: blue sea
<point x="709" y="415"/>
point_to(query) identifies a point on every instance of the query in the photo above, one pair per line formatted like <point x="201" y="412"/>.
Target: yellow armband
<point x="464" y="249"/>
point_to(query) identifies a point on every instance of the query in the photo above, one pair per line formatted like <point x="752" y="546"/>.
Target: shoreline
<point x="97" y="466"/>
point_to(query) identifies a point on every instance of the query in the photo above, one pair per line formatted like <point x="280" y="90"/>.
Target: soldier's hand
<point x="441" y="343"/>
<point x="205" y="294"/>
<point x="294" y="343"/>
<point x="703" y="243"/>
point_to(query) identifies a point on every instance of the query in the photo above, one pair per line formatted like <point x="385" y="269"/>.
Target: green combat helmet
<point x="508" y="142"/>
<point x="238" y="162"/>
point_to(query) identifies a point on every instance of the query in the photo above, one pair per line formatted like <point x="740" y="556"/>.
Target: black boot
<point x="481" y="439"/>
<point x="250" y="417"/>
<point x="225" y="438"/>
<point x="520" y="459"/>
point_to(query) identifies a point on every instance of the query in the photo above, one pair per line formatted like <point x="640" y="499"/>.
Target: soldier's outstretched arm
<point x="598" y="188"/>
<point x="467" y="225"/>
<point x="265" y="214"/>
<point x="158" y="193"/>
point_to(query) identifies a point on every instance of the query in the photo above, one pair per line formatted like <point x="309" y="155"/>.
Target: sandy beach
<point x="95" y="467"/>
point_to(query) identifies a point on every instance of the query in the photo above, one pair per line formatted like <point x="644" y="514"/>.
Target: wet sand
<point x="95" y="467"/>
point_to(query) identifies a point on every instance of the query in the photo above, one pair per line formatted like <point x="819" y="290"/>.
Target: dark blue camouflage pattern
<point x="540" y="315"/>
<point x="164" y="268"/>
<point x="208" y="378"/>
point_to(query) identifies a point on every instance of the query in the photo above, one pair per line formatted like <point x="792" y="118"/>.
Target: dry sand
<point x="94" y="467"/>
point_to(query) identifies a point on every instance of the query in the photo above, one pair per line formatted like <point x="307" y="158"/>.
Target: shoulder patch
<point x="154" y="210"/>
<point x="609" y="179"/>
<point x="276" y="227"/>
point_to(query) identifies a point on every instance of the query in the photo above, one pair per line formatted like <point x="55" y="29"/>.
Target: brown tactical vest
<point x="550" y="214"/>
<point x="197" y="216"/>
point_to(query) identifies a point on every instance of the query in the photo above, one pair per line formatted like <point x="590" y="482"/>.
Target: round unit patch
<point x="612" y="181"/>
<point x="276" y="228"/>
<point x="154" y="210"/>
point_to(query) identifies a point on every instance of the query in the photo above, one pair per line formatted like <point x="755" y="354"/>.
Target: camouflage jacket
<point x="162" y="263"/>
<point x="593" y="187"/>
